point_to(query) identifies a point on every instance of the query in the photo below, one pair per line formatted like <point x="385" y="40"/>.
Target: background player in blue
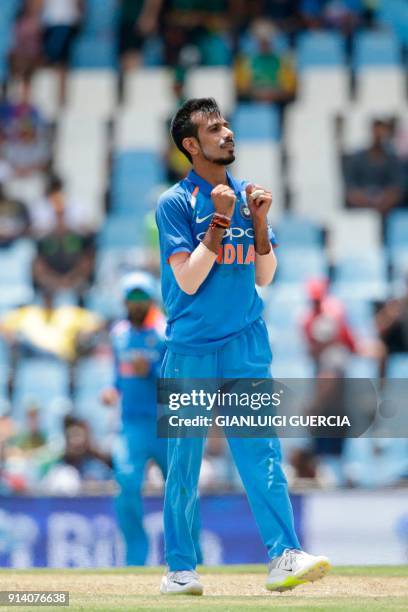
<point x="138" y="350"/>
<point x="216" y="245"/>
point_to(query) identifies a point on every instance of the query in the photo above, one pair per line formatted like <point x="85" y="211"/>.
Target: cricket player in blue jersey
<point x="137" y="344"/>
<point x="216" y="245"/>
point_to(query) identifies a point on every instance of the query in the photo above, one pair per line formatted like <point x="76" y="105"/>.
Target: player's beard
<point x="138" y="313"/>
<point x="220" y="161"/>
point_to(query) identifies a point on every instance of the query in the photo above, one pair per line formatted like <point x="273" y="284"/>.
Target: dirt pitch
<point x="234" y="588"/>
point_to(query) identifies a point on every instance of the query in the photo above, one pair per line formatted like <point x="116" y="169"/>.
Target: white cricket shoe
<point x="184" y="582"/>
<point x="295" y="567"/>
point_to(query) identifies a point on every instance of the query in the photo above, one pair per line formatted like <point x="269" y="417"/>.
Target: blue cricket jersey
<point x="227" y="301"/>
<point x="138" y="393"/>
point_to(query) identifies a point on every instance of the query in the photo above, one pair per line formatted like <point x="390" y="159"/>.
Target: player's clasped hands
<point x="223" y="199"/>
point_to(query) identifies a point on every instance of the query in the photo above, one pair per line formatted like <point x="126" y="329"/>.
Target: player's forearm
<point x="265" y="260"/>
<point x="265" y="268"/>
<point x="191" y="272"/>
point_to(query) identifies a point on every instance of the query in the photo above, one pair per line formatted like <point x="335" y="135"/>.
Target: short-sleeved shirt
<point x="62" y="252"/>
<point x="138" y="393"/>
<point x="364" y="171"/>
<point x="227" y="302"/>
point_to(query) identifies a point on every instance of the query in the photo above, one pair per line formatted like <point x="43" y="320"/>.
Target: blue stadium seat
<point x="397" y="230"/>
<point x="215" y="50"/>
<point x="153" y="50"/>
<point x="288" y="344"/>
<point x="100" y="17"/>
<point x="320" y="49"/>
<point x="292" y="367"/>
<point x="376" y="49"/>
<point x="3" y="68"/>
<point x="9" y="10"/>
<point x="4" y="355"/>
<point x="394" y="13"/>
<point x="397" y="366"/>
<point x="368" y="467"/>
<point x="367" y="268"/>
<point x="90" y="52"/>
<point x="361" y="277"/>
<point x="361" y="367"/>
<point x="121" y="231"/>
<point x="94" y="373"/>
<point x="298" y="233"/>
<point x="135" y="174"/>
<point x="41" y="380"/>
<point x="13" y="270"/>
<point x="92" y="376"/>
<point x="399" y="265"/>
<point x="249" y="46"/>
<point x="3" y="382"/>
<point x="112" y="264"/>
<point x="105" y="302"/>
<point x="6" y="37"/>
<point x="98" y="416"/>
<point x="15" y="274"/>
<point x="360" y="315"/>
<point x="256" y="121"/>
<point x="283" y="314"/>
<point x="299" y="265"/>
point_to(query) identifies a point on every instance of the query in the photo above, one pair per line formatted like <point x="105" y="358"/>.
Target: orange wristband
<point x="219" y="220"/>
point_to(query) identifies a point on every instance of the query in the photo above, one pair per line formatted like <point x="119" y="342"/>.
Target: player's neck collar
<point x="206" y="187"/>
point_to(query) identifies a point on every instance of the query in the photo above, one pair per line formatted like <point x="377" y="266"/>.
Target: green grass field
<point x="227" y="588"/>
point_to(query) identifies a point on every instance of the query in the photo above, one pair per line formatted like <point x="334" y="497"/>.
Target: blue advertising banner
<point x="82" y="531"/>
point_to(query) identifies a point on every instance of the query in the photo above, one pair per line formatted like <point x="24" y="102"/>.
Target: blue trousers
<point x="258" y="460"/>
<point x="137" y="444"/>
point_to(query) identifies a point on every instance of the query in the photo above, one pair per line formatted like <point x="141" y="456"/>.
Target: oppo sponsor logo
<point x="232" y="232"/>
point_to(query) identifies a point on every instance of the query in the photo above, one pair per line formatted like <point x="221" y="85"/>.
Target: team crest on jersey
<point x="245" y="212"/>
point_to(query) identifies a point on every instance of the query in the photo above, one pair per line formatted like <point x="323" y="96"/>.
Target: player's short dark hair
<point x="182" y="125"/>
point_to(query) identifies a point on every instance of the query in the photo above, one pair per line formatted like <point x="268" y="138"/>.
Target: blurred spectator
<point x="331" y="389"/>
<point x="25" y="144"/>
<point x="45" y="213"/>
<point x="200" y="29"/>
<point x="32" y="437"/>
<point x="81" y="463"/>
<point x="66" y="332"/>
<point x="26" y="55"/>
<point x="283" y="14"/>
<point x="401" y="149"/>
<point x="138" y="19"/>
<point x="268" y="75"/>
<point x="374" y="176"/>
<point x="343" y="15"/>
<point x="329" y="338"/>
<point x="14" y="219"/>
<point x="28" y="153"/>
<point x="18" y="112"/>
<point x="61" y="22"/>
<point x="392" y="325"/>
<point x="10" y="482"/>
<point x="65" y="257"/>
